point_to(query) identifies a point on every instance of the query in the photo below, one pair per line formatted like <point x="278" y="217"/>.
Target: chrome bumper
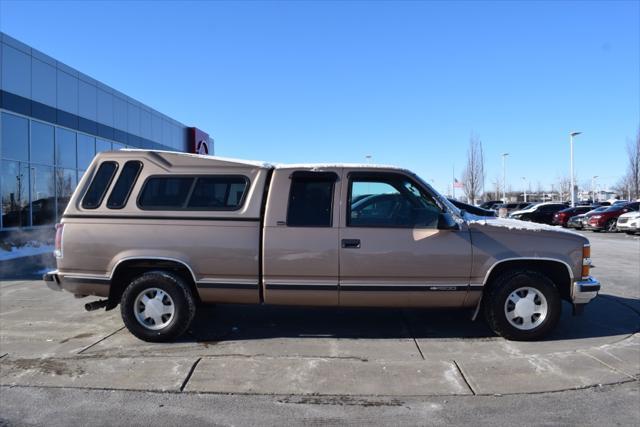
<point x="585" y="290"/>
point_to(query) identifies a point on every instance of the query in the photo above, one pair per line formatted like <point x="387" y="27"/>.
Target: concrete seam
<point x="191" y="371"/>
<point x="1" y="356"/>
<point x="100" y="340"/>
<point x="608" y="366"/>
<point x="464" y="377"/>
<point x="585" y="387"/>
<point x="411" y="334"/>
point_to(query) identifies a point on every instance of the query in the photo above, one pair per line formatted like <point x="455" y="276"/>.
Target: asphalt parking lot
<point x="304" y="363"/>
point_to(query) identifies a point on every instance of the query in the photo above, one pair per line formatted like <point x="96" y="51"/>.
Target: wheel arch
<point x="126" y="269"/>
<point x="558" y="271"/>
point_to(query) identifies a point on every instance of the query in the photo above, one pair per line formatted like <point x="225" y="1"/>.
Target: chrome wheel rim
<point x="153" y="308"/>
<point x="526" y="308"/>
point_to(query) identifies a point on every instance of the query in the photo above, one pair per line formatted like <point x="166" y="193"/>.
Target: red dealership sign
<point x="198" y="141"/>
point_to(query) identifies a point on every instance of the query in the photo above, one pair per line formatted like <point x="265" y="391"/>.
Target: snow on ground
<point x="24" y="251"/>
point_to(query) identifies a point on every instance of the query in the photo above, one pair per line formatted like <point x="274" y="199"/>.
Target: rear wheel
<point x="157" y="306"/>
<point x="523" y="305"/>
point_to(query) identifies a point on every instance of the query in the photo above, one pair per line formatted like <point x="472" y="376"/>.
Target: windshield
<point x="439" y="197"/>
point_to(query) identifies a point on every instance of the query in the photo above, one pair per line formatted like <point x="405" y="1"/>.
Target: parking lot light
<point x="573" y="195"/>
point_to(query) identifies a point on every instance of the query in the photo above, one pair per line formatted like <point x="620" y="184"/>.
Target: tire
<point x="541" y="302"/>
<point x="610" y="227"/>
<point x="167" y="312"/>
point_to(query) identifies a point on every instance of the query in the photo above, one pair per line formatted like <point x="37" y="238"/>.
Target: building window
<point x="15" y="137"/>
<point x="41" y="143"/>
<point x="43" y="200"/>
<point x="66" y="181"/>
<point x="102" y="145"/>
<point x="15" y="194"/>
<point x="65" y="148"/>
<point x="86" y="150"/>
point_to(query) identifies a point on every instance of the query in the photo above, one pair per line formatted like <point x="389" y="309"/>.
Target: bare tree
<point x="633" y="168"/>
<point x="564" y="187"/>
<point x="473" y="173"/>
<point x="497" y="188"/>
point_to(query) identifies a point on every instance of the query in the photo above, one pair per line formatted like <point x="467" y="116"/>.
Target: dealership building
<point x="53" y="120"/>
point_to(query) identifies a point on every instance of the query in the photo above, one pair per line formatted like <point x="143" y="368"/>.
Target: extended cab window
<point x="311" y="199"/>
<point x="122" y="189"/>
<point x="389" y="201"/>
<point x="218" y="192"/>
<point x="99" y="185"/>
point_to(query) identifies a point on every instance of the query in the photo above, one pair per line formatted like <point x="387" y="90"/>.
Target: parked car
<point x="539" y="212"/>
<point x="562" y="217"/>
<point x="576" y="222"/>
<point x="159" y="233"/>
<point x="475" y="210"/>
<point x="511" y="207"/>
<point x="491" y="204"/>
<point x="629" y="222"/>
<point x="607" y="219"/>
<point x="585" y="218"/>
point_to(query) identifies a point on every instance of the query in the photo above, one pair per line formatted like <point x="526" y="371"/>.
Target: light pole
<point x="524" y="185"/>
<point x="593" y="188"/>
<point x="504" y="177"/>
<point x="573" y="195"/>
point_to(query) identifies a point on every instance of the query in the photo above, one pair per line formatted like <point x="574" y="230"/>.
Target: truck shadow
<point x="607" y="315"/>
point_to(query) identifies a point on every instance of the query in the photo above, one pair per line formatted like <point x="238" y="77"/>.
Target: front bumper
<point x="585" y="290"/>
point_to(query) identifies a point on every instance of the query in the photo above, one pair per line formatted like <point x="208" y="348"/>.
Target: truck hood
<point x="513" y="224"/>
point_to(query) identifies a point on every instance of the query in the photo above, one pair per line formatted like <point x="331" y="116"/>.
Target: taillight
<point x="58" y="245"/>
<point x="586" y="260"/>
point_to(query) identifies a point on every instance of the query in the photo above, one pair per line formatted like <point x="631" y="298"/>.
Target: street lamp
<point x="593" y="188"/>
<point x="573" y="195"/>
<point x="504" y="177"/>
<point x="524" y="180"/>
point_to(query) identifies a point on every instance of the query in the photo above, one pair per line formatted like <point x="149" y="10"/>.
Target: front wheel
<point x="523" y="305"/>
<point x="611" y="226"/>
<point x="157" y="306"/>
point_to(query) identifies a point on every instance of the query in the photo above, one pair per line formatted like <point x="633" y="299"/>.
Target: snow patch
<point x="514" y="224"/>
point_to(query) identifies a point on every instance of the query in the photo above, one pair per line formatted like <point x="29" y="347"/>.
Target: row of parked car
<point x="620" y="215"/>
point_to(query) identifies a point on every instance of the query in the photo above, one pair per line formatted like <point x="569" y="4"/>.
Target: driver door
<point x="391" y="250"/>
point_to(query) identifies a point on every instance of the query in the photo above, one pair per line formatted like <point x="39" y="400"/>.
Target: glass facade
<point x="53" y="121"/>
<point x="41" y="165"/>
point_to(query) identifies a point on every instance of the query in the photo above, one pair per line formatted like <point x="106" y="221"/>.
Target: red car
<point x="606" y="220"/>
<point x="562" y="217"/>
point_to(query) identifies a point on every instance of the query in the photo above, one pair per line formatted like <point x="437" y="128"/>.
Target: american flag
<point x="457" y="184"/>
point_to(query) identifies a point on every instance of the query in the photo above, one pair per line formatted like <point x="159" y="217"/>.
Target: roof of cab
<point x="174" y="158"/>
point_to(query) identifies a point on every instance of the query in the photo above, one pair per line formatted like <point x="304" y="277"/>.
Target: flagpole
<point x="453" y="182"/>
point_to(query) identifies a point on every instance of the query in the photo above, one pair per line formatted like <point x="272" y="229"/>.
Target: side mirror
<point x="446" y="222"/>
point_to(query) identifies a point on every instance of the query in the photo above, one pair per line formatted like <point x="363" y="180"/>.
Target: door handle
<point x="351" y="243"/>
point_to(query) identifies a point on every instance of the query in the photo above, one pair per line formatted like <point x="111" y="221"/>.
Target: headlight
<point x="596" y="217"/>
<point x="516" y="216"/>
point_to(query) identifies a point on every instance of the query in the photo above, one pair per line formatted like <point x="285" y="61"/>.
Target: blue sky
<point x="404" y="82"/>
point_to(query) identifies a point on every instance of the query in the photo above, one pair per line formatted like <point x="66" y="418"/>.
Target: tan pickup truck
<point x="160" y="233"/>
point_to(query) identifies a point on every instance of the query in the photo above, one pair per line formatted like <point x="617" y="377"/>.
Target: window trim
<point x="106" y="188"/>
<point x="133" y="184"/>
<point x="384" y="175"/>
<point x="195" y="177"/>
<point x="306" y="176"/>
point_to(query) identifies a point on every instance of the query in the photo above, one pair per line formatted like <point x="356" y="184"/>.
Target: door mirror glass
<point x="446" y="222"/>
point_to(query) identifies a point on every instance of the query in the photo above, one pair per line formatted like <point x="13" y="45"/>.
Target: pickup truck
<point x="160" y="233"/>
